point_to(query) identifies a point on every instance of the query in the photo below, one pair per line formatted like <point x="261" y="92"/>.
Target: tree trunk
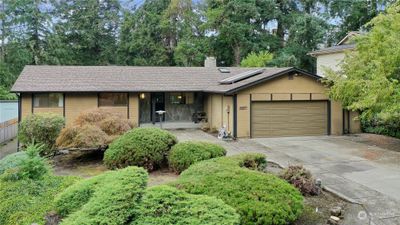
<point x="3" y="31"/>
<point x="374" y="8"/>
<point x="236" y="52"/>
<point x="280" y="31"/>
<point x="36" y="38"/>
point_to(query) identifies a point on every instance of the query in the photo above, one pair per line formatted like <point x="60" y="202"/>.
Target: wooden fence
<point x="8" y="130"/>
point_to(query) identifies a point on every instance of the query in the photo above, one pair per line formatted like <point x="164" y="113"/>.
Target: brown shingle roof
<point x="133" y="79"/>
<point x="333" y="49"/>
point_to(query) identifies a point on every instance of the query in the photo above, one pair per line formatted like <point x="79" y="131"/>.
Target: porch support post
<point x="235" y="116"/>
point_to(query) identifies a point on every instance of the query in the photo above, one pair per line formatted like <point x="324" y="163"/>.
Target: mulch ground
<point x="91" y="164"/>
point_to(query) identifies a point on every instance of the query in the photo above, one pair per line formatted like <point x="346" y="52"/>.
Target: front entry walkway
<point x="367" y="175"/>
<point x="173" y="125"/>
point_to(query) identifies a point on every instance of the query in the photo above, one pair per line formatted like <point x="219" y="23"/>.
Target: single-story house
<point x="249" y="102"/>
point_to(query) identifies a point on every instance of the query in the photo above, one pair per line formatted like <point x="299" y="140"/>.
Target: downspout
<point x="19" y="117"/>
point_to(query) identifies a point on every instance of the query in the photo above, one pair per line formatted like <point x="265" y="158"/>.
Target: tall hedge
<point x="258" y="197"/>
<point x="41" y="128"/>
<point x="145" y="147"/>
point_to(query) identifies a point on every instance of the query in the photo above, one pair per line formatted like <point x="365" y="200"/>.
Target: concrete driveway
<point x="365" y="174"/>
<point x="359" y="172"/>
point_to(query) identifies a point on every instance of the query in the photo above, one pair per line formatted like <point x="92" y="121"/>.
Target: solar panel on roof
<point x="224" y="70"/>
<point x="241" y="76"/>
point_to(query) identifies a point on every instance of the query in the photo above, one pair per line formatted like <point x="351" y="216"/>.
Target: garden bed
<point x="381" y="141"/>
<point x="316" y="208"/>
<point x="90" y="164"/>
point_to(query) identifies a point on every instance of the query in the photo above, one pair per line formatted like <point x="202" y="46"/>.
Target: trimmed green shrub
<point x="302" y="179"/>
<point x="168" y="205"/>
<point x="33" y="166"/>
<point x="184" y="154"/>
<point x="258" y="197"/>
<point x="145" y="147"/>
<point x="12" y="161"/>
<point x="41" y="128"/>
<point x="110" y="198"/>
<point x="27" y="201"/>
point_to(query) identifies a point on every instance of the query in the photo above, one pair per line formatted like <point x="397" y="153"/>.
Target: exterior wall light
<point x="142" y="96"/>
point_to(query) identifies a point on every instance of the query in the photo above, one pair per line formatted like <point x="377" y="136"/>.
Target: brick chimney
<point x="210" y="62"/>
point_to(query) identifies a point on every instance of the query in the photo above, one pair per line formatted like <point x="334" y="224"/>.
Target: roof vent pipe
<point x="210" y="62"/>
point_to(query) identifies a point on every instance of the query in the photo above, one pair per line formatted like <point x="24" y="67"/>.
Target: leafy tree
<point x="162" y="32"/>
<point x="369" y="79"/>
<point x="354" y="14"/>
<point x="260" y="59"/>
<point x="6" y="95"/>
<point x="230" y="21"/>
<point x="304" y="35"/>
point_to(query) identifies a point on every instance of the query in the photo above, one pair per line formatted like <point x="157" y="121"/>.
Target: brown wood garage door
<point x="278" y="119"/>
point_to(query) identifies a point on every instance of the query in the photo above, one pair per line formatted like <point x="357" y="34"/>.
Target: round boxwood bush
<point x="258" y="197"/>
<point x="184" y="154"/>
<point x="110" y="198"/>
<point x="168" y="205"/>
<point x="41" y="128"/>
<point x="145" y="147"/>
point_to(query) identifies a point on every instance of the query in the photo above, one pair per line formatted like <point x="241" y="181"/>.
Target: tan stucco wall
<point x="216" y="106"/>
<point x="243" y="115"/>
<point x="336" y="118"/>
<point x="134" y="108"/>
<point x="281" y="85"/>
<point x="26" y="105"/>
<point x="355" y="124"/>
<point x="332" y="61"/>
<point x="215" y="111"/>
<point x="75" y="103"/>
<point x="227" y="118"/>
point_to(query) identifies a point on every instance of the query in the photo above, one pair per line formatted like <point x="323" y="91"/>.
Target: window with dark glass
<point x="113" y="99"/>
<point x="48" y="100"/>
<point x="177" y="98"/>
<point x="181" y="98"/>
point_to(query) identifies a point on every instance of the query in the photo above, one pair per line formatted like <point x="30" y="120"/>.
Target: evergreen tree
<point x="86" y="32"/>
